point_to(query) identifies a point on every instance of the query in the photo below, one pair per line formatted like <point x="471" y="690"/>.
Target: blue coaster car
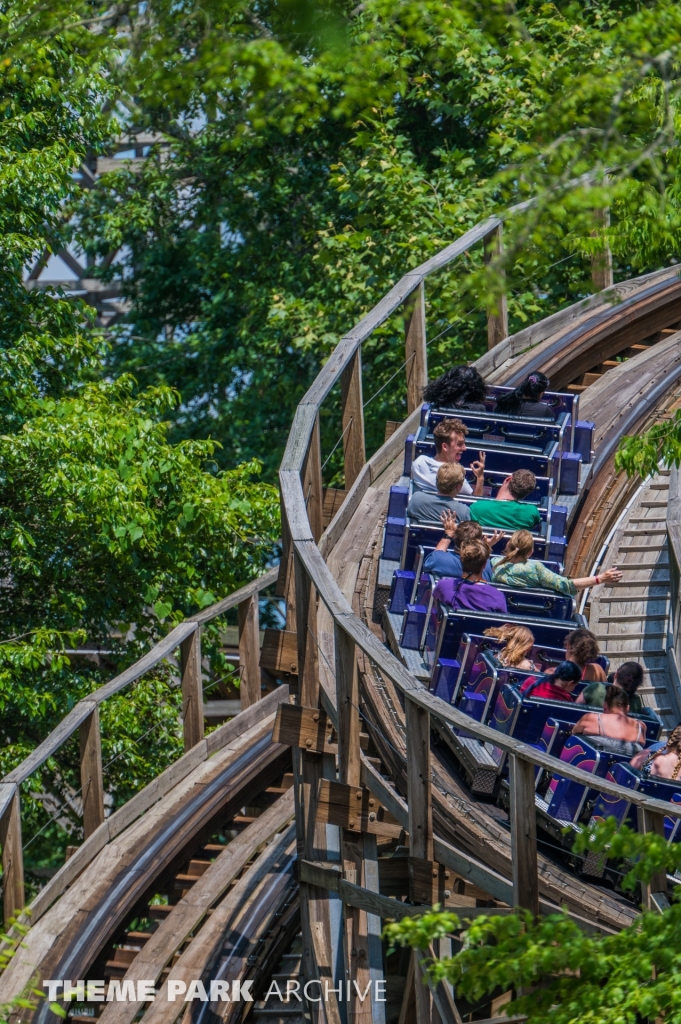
<point x="511" y="430"/>
<point x="624" y="811"/>
<point x="427" y="536"/>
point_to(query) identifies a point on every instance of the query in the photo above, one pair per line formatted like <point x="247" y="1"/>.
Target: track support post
<point x="353" y="419"/>
<point x="12" y="855"/>
<point x="415" y="347"/>
<point x="312" y="483"/>
<point x="497" y="313"/>
<point x="192" y="689"/>
<point x="249" y="651"/>
<point x="655" y="891"/>
<point x="91" y="779"/>
<point x="601" y="262"/>
<point x="523" y="817"/>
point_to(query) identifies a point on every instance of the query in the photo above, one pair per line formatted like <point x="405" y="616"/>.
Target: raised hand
<point x="494" y="538"/>
<point x="479" y="466"/>
<point x="449" y="523"/>
<point x="613" y="575"/>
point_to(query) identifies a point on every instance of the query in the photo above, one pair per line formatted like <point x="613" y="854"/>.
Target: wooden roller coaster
<point x="276" y="847"/>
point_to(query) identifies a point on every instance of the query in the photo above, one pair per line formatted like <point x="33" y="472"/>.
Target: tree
<point x="564" y="974"/>
<point x="109" y="534"/>
<point x="306" y="170"/>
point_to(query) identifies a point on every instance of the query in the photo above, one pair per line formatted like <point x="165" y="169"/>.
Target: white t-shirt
<point x="424" y="474"/>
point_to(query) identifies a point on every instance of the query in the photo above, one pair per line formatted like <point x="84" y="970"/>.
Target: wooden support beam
<point x="306" y="628"/>
<point x="497" y="313"/>
<point x="312" y="483"/>
<point x="192" y="689"/>
<point x="653" y="822"/>
<point x="347" y="702"/>
<point x="375" y="948"/>
<point x="424" y="1003"/>
<point x="91" y="780"/>
<point x="12" y="857"/>
<point x="419" y="794"/>
<point x="523" y="817"/>
<point x="249" y="652"/>
<point x="415" y="347"/>
<point x="353" y="419"/>
<point x="286" y="578"/>
<point x="601" y="262"/>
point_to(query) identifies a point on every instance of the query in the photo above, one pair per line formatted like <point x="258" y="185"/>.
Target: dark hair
<point x="466" y="532"/>
<point x="568" y="672"/>
<point x="629" y="677"/>
<point x="456" y="387"/>
<point x="616" y="698"/>
<point x="444" y="430"/>
<point x="474" y="555"/>
<point x="523" y="482"/>
<point x="531" y="389"/>
<point x="582" y="644"/>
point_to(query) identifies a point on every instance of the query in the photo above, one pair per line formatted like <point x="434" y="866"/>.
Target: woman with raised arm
<point x="516" y="568"/>
<point x="462" y="387"/>
<point x="664" y="763"/>
<point x="526" y="399"/>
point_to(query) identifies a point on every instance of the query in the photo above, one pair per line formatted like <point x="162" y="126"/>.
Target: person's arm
<point x="638" y="760"/>
<point x="479" y="470"/>
<point x="449" y="526"/>
<point x="494" y="538"/>
<point x="609" y="576"/>
<point x="580" y="727"/>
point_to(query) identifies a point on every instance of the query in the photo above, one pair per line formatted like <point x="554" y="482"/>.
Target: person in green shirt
<point x="516" y="568"/>
<point x="508" y="511"/>
<point x="628" y="677"/>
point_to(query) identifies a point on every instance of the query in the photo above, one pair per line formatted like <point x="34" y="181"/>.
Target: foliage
<point x="641" y="454"/>
<point x="313" y="153"/>
<point x="567" y="975"/>
<point x="109" y="533"/>
<point x="11" y="943"/>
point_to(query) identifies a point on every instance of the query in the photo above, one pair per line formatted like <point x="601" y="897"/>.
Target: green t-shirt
<point x="594" y="696"/>
<point x="505" y="515"/>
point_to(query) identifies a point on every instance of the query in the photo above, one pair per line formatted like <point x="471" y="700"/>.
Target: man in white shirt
<point x="450" y="444"/>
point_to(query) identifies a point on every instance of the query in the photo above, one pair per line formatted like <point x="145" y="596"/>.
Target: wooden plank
<point x="601" y="262"/>
<point x="374" y="929"/>
<point x="333" y="498"/>
<point x="355" y="809"/>
<point x="352" y="418"/>
<point x="192" y="689"/>
<point x="653" y="822"/>
<point x="306" y="636"/>
<point x="523" y="820"/>
<point x="408" y="1005"/>
<point x="419" y="795"/>
<point x="424" y="1008"/>
<point x="249" y="651"/>
<point x="347" y="702"/>
<point x="497" y="314"/>
<point x="188" y="913"/>
<point x="415" y="353"/>
<point x="429" y="882"/>
<point x="12" y="858"/>
<point x="311" y="477"/>
<point x="92" y="785"/>
<point x="308" y="728"/>
<point x="279" y="652"/>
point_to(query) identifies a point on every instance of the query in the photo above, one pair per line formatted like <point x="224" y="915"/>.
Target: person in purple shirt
<point x="470" y="590"/>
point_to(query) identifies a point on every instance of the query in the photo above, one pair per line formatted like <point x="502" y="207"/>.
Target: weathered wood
<point x="306" y="636"/>
<point x="375" y="948"/>
<point x="419" y="797"/>
<point x="188" y="913"/>
<point x="653" y="822"/>
<point x="311" y="477"/>
<point x="91" y="781"/>
<point x="429" y="882"/>
<point x="408" y="1005"/>
<point x="308" y="728"/>
<point x="249" y="651"/>
<point x="352" y="418"/>
<point x="497" y="314"/>
<point x="601" y="262"/>
<point x="523" y="836"/>
<point x="415" y="353"/>
<point x="332" y="503"/>
<point x="53" y="742"/>
<point x="192" y="689"/>
<point x="12" y="858"/>
<point x="347" y="702"/>
<point x="355" y="809"/>
<point x="423" y="997"/>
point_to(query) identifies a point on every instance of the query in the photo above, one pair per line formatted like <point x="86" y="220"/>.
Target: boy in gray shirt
<point x="428" y="508"/>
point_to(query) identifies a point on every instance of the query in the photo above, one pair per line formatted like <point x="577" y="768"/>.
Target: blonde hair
<point x="519" y="543"/>
<point x="450" y="477"/>
<point x="518" y="640"/>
